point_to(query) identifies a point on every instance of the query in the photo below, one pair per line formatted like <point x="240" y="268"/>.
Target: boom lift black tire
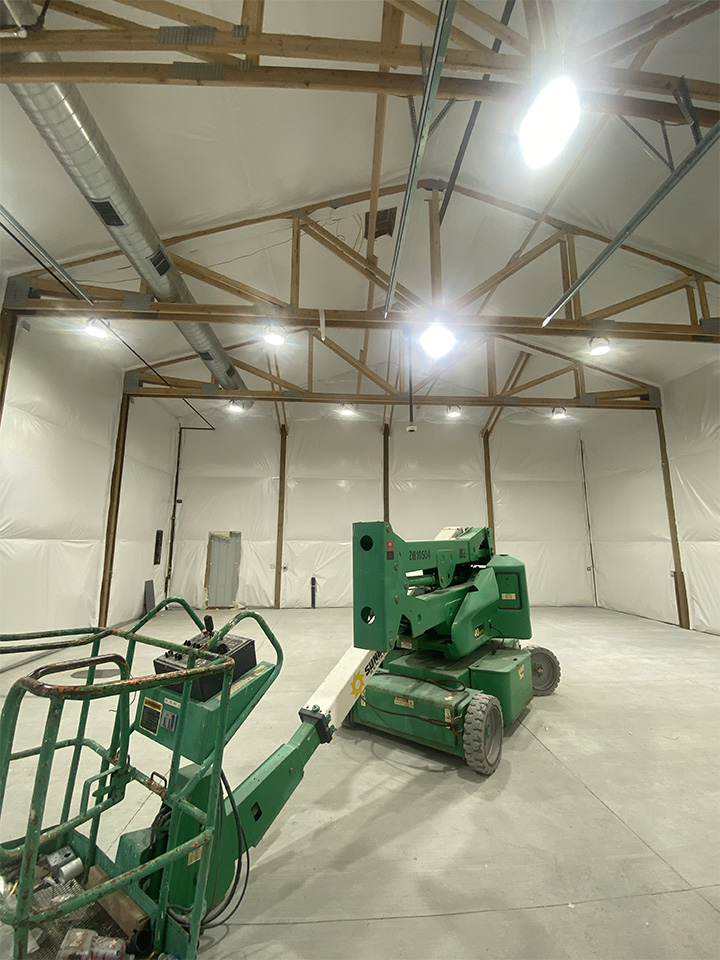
<point x="483" y="734"/>
<point x="545" y="671"/>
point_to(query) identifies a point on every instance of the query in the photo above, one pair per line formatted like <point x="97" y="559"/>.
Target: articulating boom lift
<point x="435" y="660"/>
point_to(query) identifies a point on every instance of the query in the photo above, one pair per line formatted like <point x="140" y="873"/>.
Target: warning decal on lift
<point x="404" y="702"/>
<point x="150" y="716"/>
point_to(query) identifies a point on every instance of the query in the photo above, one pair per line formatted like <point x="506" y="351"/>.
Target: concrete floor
<point x="598" y="836"/>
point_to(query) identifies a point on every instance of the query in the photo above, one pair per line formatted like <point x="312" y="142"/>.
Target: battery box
<point x="241" y="649"/>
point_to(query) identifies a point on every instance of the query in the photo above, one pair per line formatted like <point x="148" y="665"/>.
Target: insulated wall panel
<point x="229" y="481"/>
<point x="691" y="410"/>
<point x="628" y="516"/>
<point x="334" y="478"/>
<point x="145" y="507"/>
<point x="540" y="507"/>
<point x="56" y="449"/>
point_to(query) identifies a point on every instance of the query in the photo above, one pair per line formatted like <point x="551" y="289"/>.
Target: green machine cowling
<point x="450" y="613"/>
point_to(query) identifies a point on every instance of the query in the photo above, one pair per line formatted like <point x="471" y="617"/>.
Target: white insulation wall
<point x="229" y="481"/>
<point x="145" y="507"/>
<point x="628" y="515"/>
<point x="57" y="442"/>
<point x="540" y="506"/>
<point x="691" y="407"/>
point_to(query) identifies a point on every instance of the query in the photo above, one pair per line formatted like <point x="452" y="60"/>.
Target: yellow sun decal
<point x="358" y="682"/>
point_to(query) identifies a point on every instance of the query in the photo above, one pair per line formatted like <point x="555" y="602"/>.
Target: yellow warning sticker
<point x="194" y="856"/>
<point x="521" y="670"/>
<point x="508" y="596"/>
<point x="357" y="684"/>
<point x="404" y="702"/>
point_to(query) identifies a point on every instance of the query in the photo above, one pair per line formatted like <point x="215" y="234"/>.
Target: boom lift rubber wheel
<point x="483" y="734"/>
<point x="545" y="671"/>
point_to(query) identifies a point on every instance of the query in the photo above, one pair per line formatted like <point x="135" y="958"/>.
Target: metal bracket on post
<point x="210" y="389"/>
<point x="17" y="293"/>
<point x="586" y="400"/>
<point x="131" y="382"/>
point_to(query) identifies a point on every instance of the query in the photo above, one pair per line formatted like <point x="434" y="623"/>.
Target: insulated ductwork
<point x="64" y="121"/>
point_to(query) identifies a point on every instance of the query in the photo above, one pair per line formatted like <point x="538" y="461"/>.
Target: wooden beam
<point x="573" y="228"/>
<point x="492" y="26"/>
<point x="621" y="306"/>
<point x="252" y="15"/>
<point x="337" y="80"/>
<point x="435" y="251"/>
<point x="565" y="275"/>
<point x="680" y="589"/>
<point x="276" y="364"/>
<point x="511" y="391"/>
<point x="658" y="32"/>
<point x="311" y="343"/>
<point x="295" y="264"/>
<point x="363" y="357"/>
<point x="491" y="367"/>
<point x="357" y="364"/>
<point x="113" y="510"/>
<point x="488" y="484"/>
<point x="269" y="375"/>
<point x="241" y="314"/>
<point x="563" y="356"/>
<point x="429" y="17"/>
<point x="533" y="25"/>
<point x="219" y="280"/>
<point x="507" y="271"/>
<point x="548" y="23"/>
<point x="462" y="353"/>
<point x="280" y="537"/>
<point x="357" y="261"/>
<point x="573" y="270"/>
<point x="692" y="306"/>
<point x="386" y="471"/>
<point x="521" y="361"/>
<point x="369" y="399"/>
<point x="8" y="326"/>
<point x="150" y="377"/>
<point x="702" y="295"/>
<point x="175" y="11"/>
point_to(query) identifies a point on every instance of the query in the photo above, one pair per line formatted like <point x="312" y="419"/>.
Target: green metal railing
<point x="107" y="788"/>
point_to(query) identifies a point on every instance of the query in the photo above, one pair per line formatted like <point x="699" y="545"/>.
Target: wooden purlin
<point x="658" y="32"/>
<point x="492" y="26"/>
<point x="632" y="28"/>
<point x="219" y="280"/>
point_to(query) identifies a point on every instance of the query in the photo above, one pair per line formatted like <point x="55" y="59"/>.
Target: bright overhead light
<point x="274" y="336"/>
<point x="599" y="346"/>
<point x="96" y="328"/>
<point x="348" y="410"/>
<point x="452" y="413"/>
<point x="549" y="122"/>
<point x="236" y="406"/>
<point x="437" y="340"/>
<point x="559" y="413"/>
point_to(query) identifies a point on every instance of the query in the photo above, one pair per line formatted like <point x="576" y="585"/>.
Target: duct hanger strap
<point x="199" y="35"/>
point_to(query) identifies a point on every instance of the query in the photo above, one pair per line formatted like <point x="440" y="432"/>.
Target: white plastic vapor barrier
<point x="691" y="410"/>
<point x="229" y="482"/>
<point x="540" y="507"/>
<point x="334" y="478"/>
<point x="628" y="515"/>
<point x="56" y="449"/>
<point x="145" y="508"/>
<point x="436" y="479"/>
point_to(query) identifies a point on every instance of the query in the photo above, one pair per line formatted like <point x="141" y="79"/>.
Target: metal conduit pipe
<point x="63" y="119"/>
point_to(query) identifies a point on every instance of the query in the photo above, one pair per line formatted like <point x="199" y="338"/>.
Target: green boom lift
<point x="435" y="659"/>
<point x="449" y="612"/>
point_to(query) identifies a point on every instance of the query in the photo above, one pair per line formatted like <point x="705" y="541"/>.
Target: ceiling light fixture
<point x="452" y="413"/>
<point x="598" y="346"/>
<point x="559" y="413"/>
<point x="437" y="340"/>
<point x="348" y="410"/>
<point x="236" y="406"/>
<point x="549" y="123"/>
<point x="97" y="328"/>
<point x="275" y="336"/>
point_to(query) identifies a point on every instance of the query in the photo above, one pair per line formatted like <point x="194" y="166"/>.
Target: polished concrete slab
<point x="598" y="836"/>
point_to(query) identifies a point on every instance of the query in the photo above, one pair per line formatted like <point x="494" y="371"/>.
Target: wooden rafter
<point x="517" y="388"/>
<point x="516" y="371"/>
<point x="357" y="261"/>
<point x="658" y="32"/>
<point x="271" y="377"/>
<point x="219" y="280"/>
<point x="616" y="308"/>
<point x="492" y="26"/>
<point x="429" y="17"/>
<point x="533" y="348"/>
<point x="630" y="29"/>
<point x="357" y="364"/>
<point x="339" y="80"/>
<point x="253" y="12"/>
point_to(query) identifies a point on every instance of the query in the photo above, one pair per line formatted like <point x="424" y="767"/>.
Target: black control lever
<point x="209" y="625"/>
